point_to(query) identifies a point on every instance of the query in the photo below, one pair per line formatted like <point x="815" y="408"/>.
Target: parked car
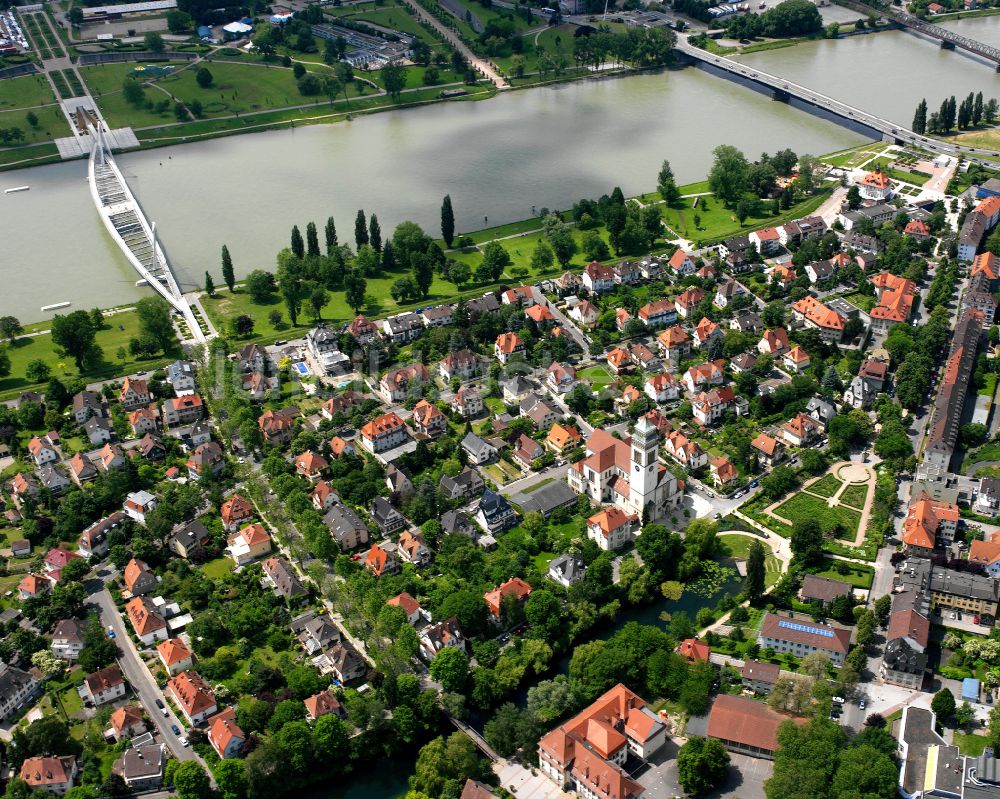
<point x="175" y="729"/>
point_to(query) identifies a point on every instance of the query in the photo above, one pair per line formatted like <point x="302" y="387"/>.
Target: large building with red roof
<point x="895" y="301"/>
<point x="745" y="726"/>
<point x="586" y="754"/>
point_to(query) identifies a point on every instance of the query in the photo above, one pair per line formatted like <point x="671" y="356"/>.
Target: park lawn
<point x="446" y="76"/>
<point x="554" y="41"/>
<point x="738" y="546"/>
<point x="989" y="386"/>
<point x="853" y="156"/>
<point x="28" y="91"/>
<point x="218" y="568"/>
<point x="855" y="495"/>
<point x="826" y="486"/>
<point x="51" y="124"/>
<point x="597" y="376"/>
<point x="857" y="575"/>
<point x="110" y="340"/>
<point x="541" y="561"/>
<point x="392" y="16"/>
<point x="717" y="222"/>
<point x="105" y="82"/>
<point x="804" y="506"/>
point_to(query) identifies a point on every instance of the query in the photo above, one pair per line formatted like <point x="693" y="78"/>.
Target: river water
<point x="498" y="158"/>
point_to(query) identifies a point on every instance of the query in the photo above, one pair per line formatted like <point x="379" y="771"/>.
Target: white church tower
<point x="645" y="467"/>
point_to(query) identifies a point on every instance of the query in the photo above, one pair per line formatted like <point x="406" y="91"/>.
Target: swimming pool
<point x="302" y="369"/>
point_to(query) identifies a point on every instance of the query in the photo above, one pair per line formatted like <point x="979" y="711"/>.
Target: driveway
<point x="135" y="671"/>
<point x="525" y="785"/>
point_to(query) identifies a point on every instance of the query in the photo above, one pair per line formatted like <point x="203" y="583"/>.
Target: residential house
<point x="560" y="379"/>
<point x="905" y="659"/>
<point x="442" y="635"/>
<point x="527" y="451"/>
<point x="612" y="528"/>
<point x="278" y="427"/>
<point x="522" y="296"/>
<point x="774" y="342"/>
<point x="363" y="330"/>
<point x="875" y="186"/>
<point x="342" y="403"/>
<point x="67" y="639"/>
<point x="516" y="389"/>
<point x="139" y="578"/>
<point x="127" y="722"/>
<point x="398" y="384"/>
<point x="193" y="696"/>
<point x="251" y="358"/>
<point x="687" y="453"/>
<point x="767" y="240"/>
<point x="463" y="486"/>
<point x="103" y="686"/>
<point x="709" y="407"/>
<point x="225" y="735"/>
<point x="744" y="362"/>
<point x="988" y="497"/>
<point x="250" y="543"/>
<point x="706" y="332"/>
<point x="514" y="589"/>
<point x="726" y="292"/>
<point x="346" y="527"/>
<point x="175" y="656"/>
<point x="147" y="621"/>
<point x="662" y="388"/>
<point x="110" y="457"/>
<point x="381" y="559"/>
<point x="859" y="394"/>
<point x="180" y="376"/>
<point x="598" y="279"/>
<point x="42" y="450"/>
<point x="138" y="504"/>
<point x="467" y="403"/>
<point x="494" y="513"/>
<point x="87" y="404"/>
<point x="99" y="430"/>
<point x="438" y="315"/>
<point x="823" y="590"/>
<point x="384" y="433"/>
<point x="144" y="420"/>
<point x="659" y="313"/>
<point x="643" y="357"/>
<point x="93" y="542"/>
<point x="279" y="574"/>
<point x="412" y="549"/>
<point x="681" y="263"/>
<point x="540" y="315"/>
<point x="722" y="470"/>
<point x="674" y="344"/>
<point x="566" y="570"/>
<point x="134" y="394"/>
<point x="710" y="373"/>
<point x="323" y="496"/>
<point x="759" y="677"/>
<point x="53" y="775"/>
<point x="206" y="460"/>
<point x="457" y="522"/>
<point x="747" y="322"/>
<point x="687" y="301"/>
<point x="403" y="328"/>
<point x="410" y="607"/>
<point x="796" y="360"/>
<point x="388" y="519"/>
<point x="236" y="511"/>
<point x="463" y="364"/>
<point x="801" y="430"/>
<point x="814" y="314"/>
<point x="183" y="410"/>
<point x="584" y="313"/>
<point x="428" y="420"/>
<point x="478" y="449"/>
<point x="619" y="360"/>
<point x="896" y="296"/>
<point x="508" y="346"/>
<point x="929" y="523"/>
<point x="694" y="651"/>
<point x="311" y="465"/>
<point x="151" y="448"/>
<point x="769" y="450"/>
<point x="33" y="585"/>
<point x="917" y="229"/>
<point x="17" y="690"/>
<point x="325" y="703"/>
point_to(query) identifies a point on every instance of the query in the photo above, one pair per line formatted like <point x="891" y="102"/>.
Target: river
<point x="497" y="158"/>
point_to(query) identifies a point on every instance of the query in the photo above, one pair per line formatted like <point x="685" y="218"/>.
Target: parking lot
<point x="746" y="777"/>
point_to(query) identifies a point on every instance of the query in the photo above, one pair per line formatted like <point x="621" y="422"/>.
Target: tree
<point x="864" y="771"/>
<point x="331" y="235"/>
<point x="394" y="79"/>
<point x="447" y="221"/>
<point x="228" y="274"/>
<point x="231" y="776"/>
<point x="37" y="371"/>
<point x="153" y="42"/>
<point x="132" y="92"/>
<point x="666" y="185"/>
<point x="807" y="540"/>
<point x="191" y="781"/>
<point x="423" y="272"/>
<point x="542" y="611"/>
<point x="451" y="670"/>
<point x="317" y="299"/>
<point x="594" y="247"/>
<point x="374" y="234"/>
<point x="209" y="284"/>
<point x="495" y="259"/>
<point x="756" y="571"/>
<point x="542" y="257"/>
<point x="354" y="289"/>
<point x="883" y="605"/>
<point x="702" y="764"/>
<point x="312" y="240"/>
<point x="444" y="765"/>
<point x="203" y="77"/>
<point x="920" y="118"/>
<point x="243" y="324"/>
<point x="155" y="322"/>
<point x="298" y="245"/>
<point x="459" y="274"/>
<point x="563" y="244"/>
<point x="10" y="328"/>
<point x="75" y="335"/>
<point x="259" y="285"/>
<point x="943" y="705"/>
<point x="360" y="229"/>
<point x="728" y="176"/>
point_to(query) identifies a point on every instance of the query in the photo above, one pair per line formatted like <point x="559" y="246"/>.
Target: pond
<point x="386" y="781"/>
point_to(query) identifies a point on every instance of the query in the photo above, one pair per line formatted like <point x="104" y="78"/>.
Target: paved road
<point x="568" y="326"/>
<point x="135" y="670"/>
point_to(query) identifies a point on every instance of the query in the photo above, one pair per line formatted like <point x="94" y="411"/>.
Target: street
<point x="135" y="671"/>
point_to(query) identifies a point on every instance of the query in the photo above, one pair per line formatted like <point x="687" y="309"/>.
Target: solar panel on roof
<point x="804" y="628"/>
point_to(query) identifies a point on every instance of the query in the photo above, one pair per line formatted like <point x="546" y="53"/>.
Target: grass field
<point x="857" y="575"/>
<point x="110" y="340"/>
<point x="597" y="376"/>
<point x="804" y="506"/>
<point x="853" y="157"/>
<point x="826" y="486"/>
<point x="989" y="385"/>
<point x="390" y="15"/>
<point x="716" y="222"/>
<point x="738" y="546"/>
<point x="218" y="568"/>
<point x="855" y="495"/>
<point x="970" y="744"/>
<point x="26" y="92"/>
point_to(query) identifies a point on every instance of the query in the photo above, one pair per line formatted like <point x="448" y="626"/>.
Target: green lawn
<point x="597" y="376"/>
<point x="852" y="157"/>
<point x="826" y="486"/>
<point x="971" y="745"/>
<point x="218" y="568"/>
<point x="738" y="546"/>
<point x="31" y="92"/>
<point x="715" y="222"/>
<point x="855" y="495"/>
<point x="804" y="506"/>
<point x="857" y="575"/>
<point x="25" y="92"/>
<point x="541" y="561"/>
<point x="989" y="386"/>
<point x="110" y="340"/>
<point x="863" y="301"/>
<point x="391" y="15"/>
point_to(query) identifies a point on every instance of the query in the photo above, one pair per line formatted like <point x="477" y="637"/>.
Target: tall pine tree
<point x="756" y="571"/>
<point x="312" y="240"/>
<point x="360" y="229"/>
<point x="331" y="235"/>
<point x="447" y="221"/>
<point x="298" y="246"/>
<point x="920" y="118"/>
<point x="375" y="233"/>
<point x="209" y="285"/>
<point x="227" y="268"/>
